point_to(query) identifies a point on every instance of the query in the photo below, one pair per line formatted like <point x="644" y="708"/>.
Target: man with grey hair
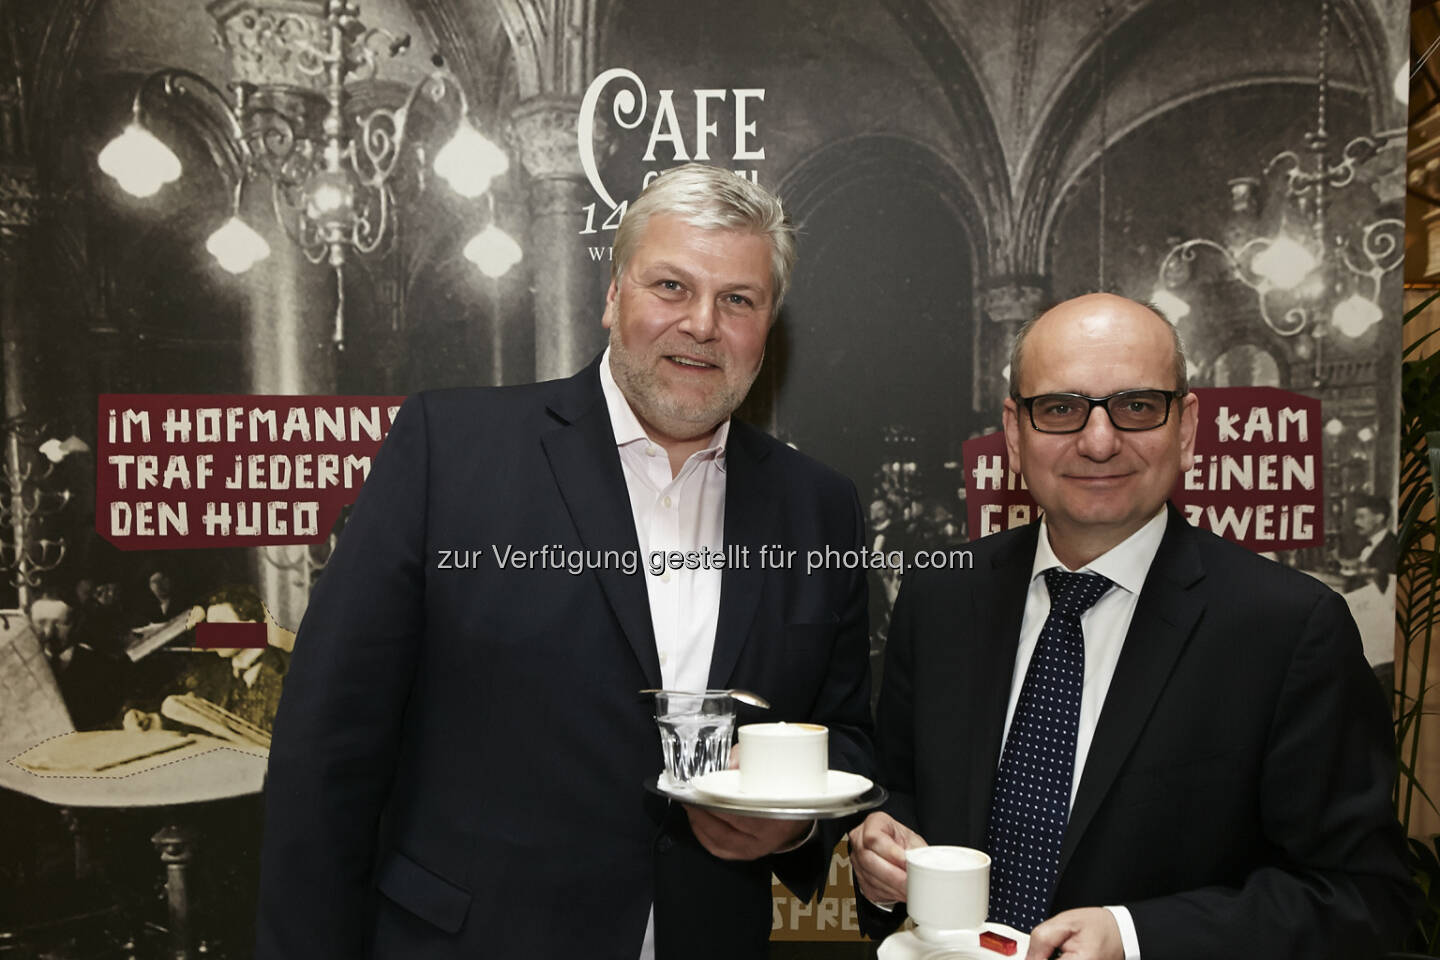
<point x="460" y="750"/>
<point x="1170" y="747"/>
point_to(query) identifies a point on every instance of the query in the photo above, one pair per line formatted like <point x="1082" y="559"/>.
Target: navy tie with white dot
<point x="1031" y="802"/>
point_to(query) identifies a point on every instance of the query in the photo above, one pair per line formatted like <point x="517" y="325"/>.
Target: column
<point x="288" y="351"/>
<point x="567" y="313"/>
<point x="17" y="320"/>
<point x="1003" y="306"/>
<point x="290" y="316"/>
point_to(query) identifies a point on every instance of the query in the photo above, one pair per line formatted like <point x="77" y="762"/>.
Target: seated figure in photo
<point x="244" y="682"/>
<point x="1373" y="563"/>
<point x="91" y="682"/>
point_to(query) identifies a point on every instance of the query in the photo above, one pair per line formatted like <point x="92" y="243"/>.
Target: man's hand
<point x="138" y="720"/>
<point x="877" y="857"/>
<point x="1089" y="933"/>
<point x="743" y="838"/>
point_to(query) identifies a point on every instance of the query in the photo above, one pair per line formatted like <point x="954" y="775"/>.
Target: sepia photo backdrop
<point x="953" y="167"/>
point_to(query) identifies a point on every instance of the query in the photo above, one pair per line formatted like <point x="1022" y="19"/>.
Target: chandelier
<point x="1305" y="277"/>
<point x="290" y="119"/>
<point x="31" y="497"/>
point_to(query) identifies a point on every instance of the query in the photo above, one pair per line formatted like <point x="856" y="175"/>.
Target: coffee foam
<point x="783" y="728"/>
<point x="947" y="858"/>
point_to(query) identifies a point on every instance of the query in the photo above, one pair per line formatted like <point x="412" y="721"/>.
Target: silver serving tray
<point x="868" y="800"/>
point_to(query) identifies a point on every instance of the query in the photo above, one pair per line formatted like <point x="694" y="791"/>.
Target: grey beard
<point x="650" y="401"/>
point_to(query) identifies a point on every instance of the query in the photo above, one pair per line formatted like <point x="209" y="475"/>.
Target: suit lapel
<point x="998" y="609"/>
<point x="752" y="509"/>
<point x="1165" y="616"/>
<point x="587" y="469"/>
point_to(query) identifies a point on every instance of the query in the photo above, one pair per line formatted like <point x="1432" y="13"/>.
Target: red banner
<point x="1256" y="478"/>
<point x="184" y="471"/>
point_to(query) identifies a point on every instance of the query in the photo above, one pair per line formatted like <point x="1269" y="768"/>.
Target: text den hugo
<point x="304" y="471"/>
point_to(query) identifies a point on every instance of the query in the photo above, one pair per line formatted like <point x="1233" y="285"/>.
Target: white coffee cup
<point x="784" y="759"/>
<point x="947" y="888"/>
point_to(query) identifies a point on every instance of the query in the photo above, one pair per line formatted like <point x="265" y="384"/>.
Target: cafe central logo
<point x="669" y="142"/>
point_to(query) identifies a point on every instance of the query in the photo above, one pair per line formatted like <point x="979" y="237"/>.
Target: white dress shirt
<point x="1374" y="542"/>
<point x="1105" y="625"/>
<point x="684" y="512"/>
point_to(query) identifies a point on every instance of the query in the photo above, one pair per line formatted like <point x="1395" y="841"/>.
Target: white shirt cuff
<point x="1128" y="939"/>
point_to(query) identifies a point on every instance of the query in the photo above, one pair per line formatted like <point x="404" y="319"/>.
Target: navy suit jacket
<point x="459" y="754"/>
<point x="1236" y="796"/>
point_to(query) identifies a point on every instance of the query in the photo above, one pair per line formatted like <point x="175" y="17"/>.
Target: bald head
<point x="1101" y="480"/>
<point x="1132" y="325"/>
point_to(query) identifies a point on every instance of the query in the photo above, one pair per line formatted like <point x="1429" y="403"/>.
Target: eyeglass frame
<point x="1103" y="403"/>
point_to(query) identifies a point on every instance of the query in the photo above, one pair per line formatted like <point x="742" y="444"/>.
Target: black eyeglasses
<point x="1130" y="410"/>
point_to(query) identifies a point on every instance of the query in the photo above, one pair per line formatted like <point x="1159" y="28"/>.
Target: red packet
<point x="1001" y="945"/>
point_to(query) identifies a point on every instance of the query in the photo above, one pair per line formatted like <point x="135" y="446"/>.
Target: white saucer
<point x="664" y="782"/>
<point x="724" y="785"/>
<point x="952" y="945"/>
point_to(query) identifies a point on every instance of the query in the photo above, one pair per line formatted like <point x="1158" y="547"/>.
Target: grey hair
<point x="710" y="198"/>
<point x="1182" y="366"/>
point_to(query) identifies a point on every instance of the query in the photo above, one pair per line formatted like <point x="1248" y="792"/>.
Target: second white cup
<point x="947" y="888"/>
<point x="784" y="759"/>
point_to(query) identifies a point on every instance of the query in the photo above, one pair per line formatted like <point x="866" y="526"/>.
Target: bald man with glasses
<point x="1171" y="747"/>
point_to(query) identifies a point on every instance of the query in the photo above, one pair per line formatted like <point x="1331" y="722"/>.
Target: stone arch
<point x="836" y="164"/>
<point x="890" y="274"/>
<point x="1047" y="167"/>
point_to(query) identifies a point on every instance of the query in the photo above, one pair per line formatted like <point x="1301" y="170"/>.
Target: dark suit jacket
<point x="1236" y="796"/>
<point x="459" y="754"/>
<point x="1379" y="566"/>
<point x="92" y="684"/>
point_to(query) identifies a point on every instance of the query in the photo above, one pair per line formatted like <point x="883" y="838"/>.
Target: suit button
<point x="664" y="844"/>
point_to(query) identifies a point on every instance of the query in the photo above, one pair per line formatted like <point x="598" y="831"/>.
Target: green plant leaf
<point x="1419" y="308"/>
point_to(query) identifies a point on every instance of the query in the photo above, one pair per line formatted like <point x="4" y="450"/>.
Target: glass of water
<point x="696" y="728"/>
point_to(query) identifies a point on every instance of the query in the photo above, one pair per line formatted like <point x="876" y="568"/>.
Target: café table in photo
<point x="160" y="769"/>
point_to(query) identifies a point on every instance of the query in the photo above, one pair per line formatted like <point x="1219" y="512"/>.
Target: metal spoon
<point x="753" y="699"/>
<point x="744" y="696"/>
